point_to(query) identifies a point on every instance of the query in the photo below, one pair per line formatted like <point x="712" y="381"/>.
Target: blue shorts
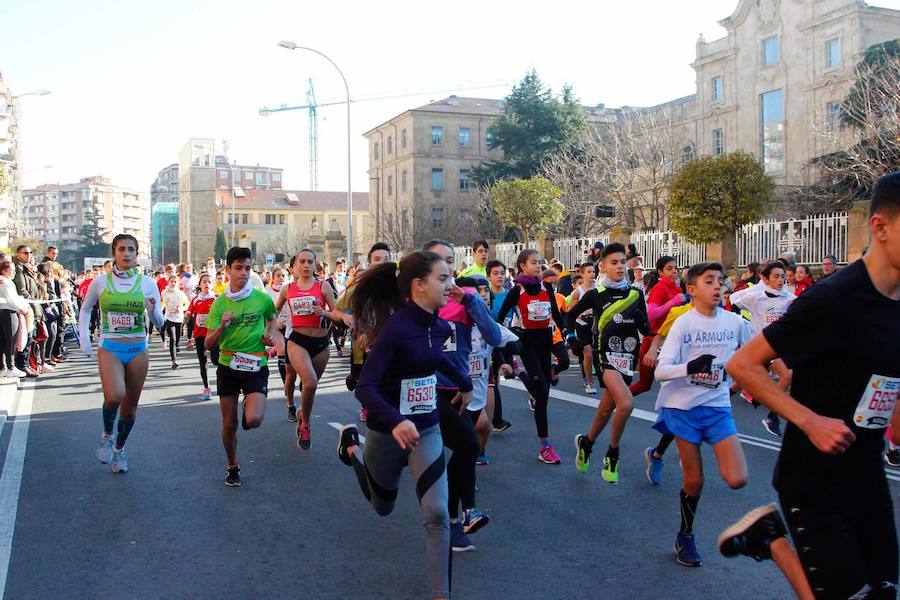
<point x="710" y="424"/>
<point x="124" y="350"/>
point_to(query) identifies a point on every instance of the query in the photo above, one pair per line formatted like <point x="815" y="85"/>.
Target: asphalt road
<point x="300" y="528"/>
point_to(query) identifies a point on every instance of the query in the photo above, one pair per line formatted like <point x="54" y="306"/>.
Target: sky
<point x="130" y="81"/>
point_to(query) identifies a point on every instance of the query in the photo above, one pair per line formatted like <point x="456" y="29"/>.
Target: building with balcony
<point x="56" y="213"/>
<point x="10" y="198"/>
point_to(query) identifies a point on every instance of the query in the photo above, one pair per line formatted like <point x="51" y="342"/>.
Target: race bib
<point x="121" y="321"/>
<point x="621" y="362"/>
<point x="477" y="365"/>
<point x="450" y="343"/>
<point x="171" y="311"/>
<point x="538" y="310"/>
<point x="248" y="363"/>
<point x="201" y="320"/>
<point x="710" y="380"/>
<point x="877" y="403"/>
<point x="418" y="396"/>
<point x="302" y="306"/>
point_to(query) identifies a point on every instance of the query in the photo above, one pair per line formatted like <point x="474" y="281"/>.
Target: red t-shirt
<point x="83" y="288"/>
<point x="199" y="308"/>
<point x="161" y="283"/>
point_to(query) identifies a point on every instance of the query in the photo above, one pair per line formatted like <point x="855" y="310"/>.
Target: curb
<point x="9" y="389"/>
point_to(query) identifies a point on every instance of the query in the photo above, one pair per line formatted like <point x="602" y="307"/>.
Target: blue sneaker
<point x="686" y="551"/>
<point x="482" y="460"/>
<point x="474" y="520"/>
<point x="459" y="541"/>
<point x="654" y="466"/>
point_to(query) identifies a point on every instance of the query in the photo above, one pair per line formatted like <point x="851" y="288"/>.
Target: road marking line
<point x="362" y="438"/>
<point x="11" y="480"/>
<point x="647" y="415"/>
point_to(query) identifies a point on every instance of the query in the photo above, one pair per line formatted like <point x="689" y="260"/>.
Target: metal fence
<point x="810" y="239"/>
<point x="463" y="255"/>
<point x="569" y="251"/>
<point x="653" y="244"/>
<point x="507" y="253"/>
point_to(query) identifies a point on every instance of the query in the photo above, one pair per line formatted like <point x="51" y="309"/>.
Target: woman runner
<point x="199" y="311"/>
<point x="288" y="375"/>
<point x="123" y="295"/>
<point x="176" y="302"/>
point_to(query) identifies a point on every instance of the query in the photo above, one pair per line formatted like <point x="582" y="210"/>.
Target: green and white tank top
<point x="122" y="313"/>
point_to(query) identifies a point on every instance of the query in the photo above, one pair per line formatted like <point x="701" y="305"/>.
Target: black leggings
<point x="561" y="352"/>
<point x="201" y="356"/>
<point x="9" y="327"/>
<point x="459" y="435"/>
<point x="497" y="359"/>
<point x="173" y="331"/>
<point x="190" y="327"/>
<point x="536" y="345"/>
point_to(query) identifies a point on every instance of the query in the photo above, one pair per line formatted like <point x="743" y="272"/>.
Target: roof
<point x="459" y="104"/>
<point x="308" y="200"/>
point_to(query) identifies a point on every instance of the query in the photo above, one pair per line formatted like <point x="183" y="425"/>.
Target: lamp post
<point x="293" y="46"/>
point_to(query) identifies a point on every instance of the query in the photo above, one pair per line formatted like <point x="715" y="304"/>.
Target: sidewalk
<point x="8" y="391"/>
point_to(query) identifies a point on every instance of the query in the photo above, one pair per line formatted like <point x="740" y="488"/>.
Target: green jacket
<point x="27" y="286"/>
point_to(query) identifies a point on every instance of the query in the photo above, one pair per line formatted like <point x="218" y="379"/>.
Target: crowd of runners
<point x="429" y="341"/>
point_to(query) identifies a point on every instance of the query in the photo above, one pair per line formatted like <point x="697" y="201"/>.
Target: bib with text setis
<point x="418" y="396"/>
<point x="302" y="306"/>
<point x="248" y="363"/>
<point x="477" y="365"/>
<point x="120" y="321"/>
<point x="877" y="403"/>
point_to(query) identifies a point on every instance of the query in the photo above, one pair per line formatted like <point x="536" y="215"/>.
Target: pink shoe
<point x="362" y="415"/>
<point x="303" y="436"/>
<point x="747" y="397"/>
<point x="548" y="455"/>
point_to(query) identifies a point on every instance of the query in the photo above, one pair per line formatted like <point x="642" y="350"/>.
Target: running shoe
<point x="14" y="372"/>
<point x="548" y="455"/>
<point x="459" y="541"/>
<point x="654" y="466"/>
<point x="589" y="388"/>
<point x="474" y="520"/>
<point x="349" y="436"/>
<point x="119" y="463"/>
<point x="686" y="551"/>
<point x="531" y="403"/>
<point x="582" y="453"/>
<point x="753" y="534"/>
<point x="772" y="425"/>
<point x="482" y="460"/>
<point x="340" y="353"/>
<point x="350" y="382"/>
<point x="502" y="426"/>
<point x="47" y="368"/>
<point x="233" y="476"/>
<point x="363" y="415"/>
<point x="105" y="451"/>
<point x="610" y="471"/>
<point x="207" y="394"/>
<point x="303" y="437"/>
<point x="292" y="413"/>
<point x="892" y="457"/>
<point x="29" y="372"/>
<point x="175" y="366"/>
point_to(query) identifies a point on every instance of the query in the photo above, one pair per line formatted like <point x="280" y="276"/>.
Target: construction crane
<point x="312" y="107"/>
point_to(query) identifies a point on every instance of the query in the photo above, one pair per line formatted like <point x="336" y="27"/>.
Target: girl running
<point x="176" y="302"/>
<point x="288" y="375"/>
<point x="307" y="348"/>
<point x="123" y="295"/>
<point x="199" y="311"/>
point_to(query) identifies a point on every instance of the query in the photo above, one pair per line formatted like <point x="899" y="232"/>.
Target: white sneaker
<point x="47" y="368"/>
<point x="5" y="373"/>
<point x="14" y="372"/>
<point x="589" y="388"/>
<point x="105" y="451"/>
<point x="120" y="464"/>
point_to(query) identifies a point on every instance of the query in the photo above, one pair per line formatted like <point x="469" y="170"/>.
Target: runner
<point x="175" y="302"/>
<point x="620" y="317"/>
<point x="123" y="295"/>
<point x="237" y="323"/>
<point x="480" y="256"/>
<point x="496" y="271"/>
<point x="188" y="282"/>
<point x="307" y="347"/>
<point x="199" y="311"/>
<point x="581" y="341"/>
<point x="840" y="340"/>
<point x="695" y="404"/>
<point x="535" y="305"/>
<point x="398" y="387"/>
<point x="559" y="350"/>
<point x="285" y="370"/>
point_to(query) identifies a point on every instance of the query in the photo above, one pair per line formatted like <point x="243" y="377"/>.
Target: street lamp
<point x="293" y="46"/>
<point x="34" y="93"/>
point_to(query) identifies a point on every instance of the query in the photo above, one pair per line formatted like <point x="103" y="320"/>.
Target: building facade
<point x="10" y="197"/>
<point x="56" y="214"/>
<point x="285" y="221"/>
<point x="165" y="232"/>
<point x="165" y="187"/>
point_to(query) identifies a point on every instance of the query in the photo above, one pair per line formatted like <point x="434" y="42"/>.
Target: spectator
<point x="804" y="281"/>
<point x="480" y="254"/>
<point x="595" y="253"/>
<point x="829" y="266"/>
<point x="25" y="278"/>
<point x="749" y="277"/>
<point x="637" y="277"/>
<point x="790" y="273"/>
<point x="633" y="256"/>
<point x="11" y="306"/>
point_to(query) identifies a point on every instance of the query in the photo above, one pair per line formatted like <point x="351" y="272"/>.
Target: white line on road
<point x="647" y="415"/>
<point x="11" y="480"/>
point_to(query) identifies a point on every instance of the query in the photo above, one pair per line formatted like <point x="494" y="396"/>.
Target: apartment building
<point x="10" y="198"/>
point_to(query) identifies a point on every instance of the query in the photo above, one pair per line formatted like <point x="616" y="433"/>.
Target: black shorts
<point x="844" y="543"/>
<point x="583" y="333"/>
<point x="233" y="383"/>
<point x="313" y="345"/>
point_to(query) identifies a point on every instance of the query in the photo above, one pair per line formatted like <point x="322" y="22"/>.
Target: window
<point x="489" y="139"/>
<point x="403" y="139"/>
<point x="276" y="176"/>
<point x="262" y="178"/>
<point x="281" y="219"/>
<point x="464" y="182"/>
<point x="390" y="185"/>
<point x="465" y="137"/>
<point x="248" y="174"/>
<point x="833" y="53"/>
<point x="390" y="144"/>
<point x="437" y="179"/>
<point x="223" y="173"/>
<point x="718" y="142"/>
<point x="229" y="219"/>
<point x="437" y="217"/>
<point x="236" y="175"/>
<point x="437" y="135"/>
<point x="687" y="154"/>
<point x="717" y="88"/>
<point x="377" y="151"/>
<point x="403" y="181"/>
<point x="465" y="222"/>
<point x="833" y="114"/>
<point x="244" y="217"/>
<point x="270" y="219"/>
<point x="771" y="50"/>
<point x="771" y="132"/>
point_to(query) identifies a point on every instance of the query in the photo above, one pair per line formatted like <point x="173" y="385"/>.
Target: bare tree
<point x="282" y="240"/>
<point x="397" y="231"/>
<point x="583" y="184"/>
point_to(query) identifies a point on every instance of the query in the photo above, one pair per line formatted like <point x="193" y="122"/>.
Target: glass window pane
<point x="437" y="179"/>
<point x="772" y="131"/>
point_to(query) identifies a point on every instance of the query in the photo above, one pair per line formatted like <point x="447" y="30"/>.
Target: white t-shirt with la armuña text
<point x="692" y="336"/>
